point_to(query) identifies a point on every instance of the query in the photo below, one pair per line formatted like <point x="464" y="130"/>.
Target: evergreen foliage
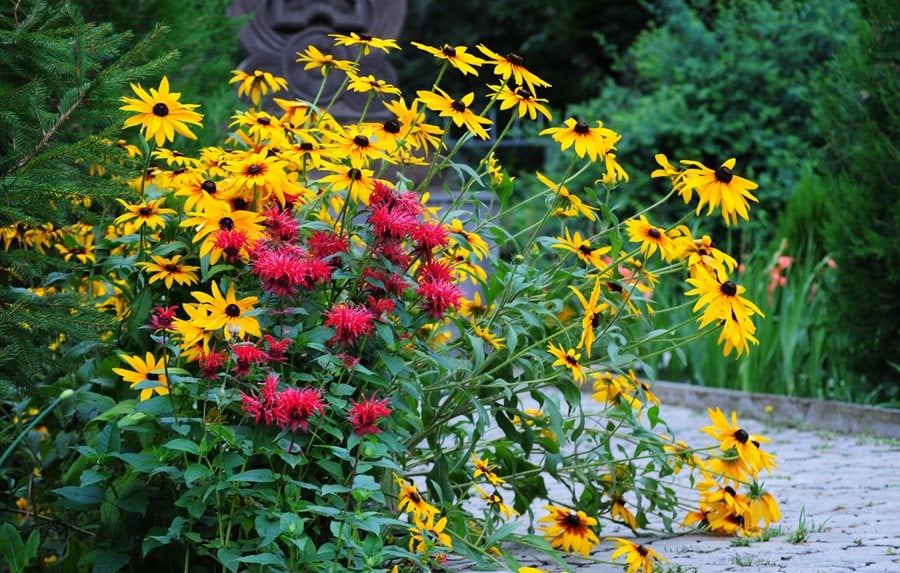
<point x="857" y="110"/>
<point x="59" y="86"/>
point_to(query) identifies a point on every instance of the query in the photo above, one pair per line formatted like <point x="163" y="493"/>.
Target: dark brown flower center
<point x="730" y="491"/>
<point x="361" y="141"/>
<point x="742" y="436"/>
<point x="571" y="361"/>
<point x="524" y="93"/>
<point x="582" y="128"/>
<point x="642" y="550"/>
<point x="145" y="211"/>
<point x="724" y="174"/>
<point x="161" y="110"/>
<point x="654" y="233"/>
<point x="306" y="146"/>
<point x="728" y="288"/>
<point x="226" y="224"/>
<point x="254" y="169"/>
<point x="152" y="377"/>
<point x="414" y="497"/>
<point x="208" y="186"/>
<point x="355" y="174"/>
<point x="177" y="154"/>
<point x="458" y="106"/>
<point x="179" y="171"/>
<point x="392" y="126"/>
<point x="595" y="319"/>
<point x="263" y="120"/>
<point x="170" y="267"/>
<point x="585" y="250"/>
<point x="233" y="310"/>
<point x="572" y="521"/>
<point x="239" y="204"/>
<point x="365" y="37"/>
<point x="515" y="59"/>
<point x="448" y="51"/>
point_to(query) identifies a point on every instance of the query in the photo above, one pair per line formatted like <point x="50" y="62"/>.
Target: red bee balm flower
<point x="294" y="407"/>
<point x="350" y="322"/>
<point x="439" y="296"/>
<point x="365" y="414"/>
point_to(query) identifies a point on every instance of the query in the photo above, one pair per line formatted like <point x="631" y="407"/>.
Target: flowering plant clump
<point x="319" y="369"/>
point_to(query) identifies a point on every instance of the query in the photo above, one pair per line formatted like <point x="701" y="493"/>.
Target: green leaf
<point x="108" y="441"/>
<point x="229" y="558"/>
<point x="395" y="364"/>
<point x="268" y="528"/>
<point x="16" y="553"/>
<point x="110" y="562"/>
<point x="262" y="559"/>
<point x="79" y="498"/>
<point x="183" y="445"/>
<point x="254" y="476"/>
<point x="195" y="472"/>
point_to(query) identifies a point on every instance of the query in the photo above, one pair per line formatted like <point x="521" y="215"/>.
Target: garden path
<point x="846" y="486"/>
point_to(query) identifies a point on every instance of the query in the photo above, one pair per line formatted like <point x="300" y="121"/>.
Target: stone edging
<point x="804" y="413"/>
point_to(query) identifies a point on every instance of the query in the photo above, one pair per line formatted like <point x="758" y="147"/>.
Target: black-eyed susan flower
<point x="359" y="181"/>
<point x="314" y="58"/>
<point x="719" y="187"/>
<point x="471" y="240"/>
<point x="412" y="125"/>
<point x="572" y="204"/>
<point x="619" y="511"/>
<point x="170" y="270"/>
<point x="729" y="466"/>
<point x="486" y="469"/>
<point x="667" y="170"/>
<point x="147" y="214"/>
<point x="261" y="127"/>
<point x="720" y="299"/>
<point x="485" y="334"/>
<point x="569" y="359"/>
<point x="228" y="312"/>
<point x="366" y="42"/>
<point x="652" y="238"/>
<point x="175" y="157"/>
<point x="583" y="249"/>
<point x="354" y="143"/>
<point x="148" y="372"/>
<point x="79" y="247"/>
<point x="369" y="83"/>
<point x="595" y="142"/>
<point x="637" y="557"/>
<point x="495" y="501"/>
<point x="512" y="66"/>
<point x="457" y="56"/>
<point x="521" y="98"/>
<point x="159" y="113"/>
<point x="733" y="436"/>
<point x="193" y="335"/>
<point x="613" y="389"/>
<point x="593" y="313"/>
<point x="221" y="217"/>
<point x="737" y="335"/>
<point x="456" y="109"/>
<point x="703" y="253"/>
<point x="257" y="84"/>
<point x="428" y="534"/>
<point x="411" y="501"/>
<point x="261" y="173"/>
<point x="763" y="506"/>
<point x="473" y="308"/>
<point x="569" y="530"/>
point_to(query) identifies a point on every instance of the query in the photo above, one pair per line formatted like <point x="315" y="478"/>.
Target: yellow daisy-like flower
<point x="359" y="181"/>
<point x="160" y="114"/>
<point x="652" y="238"/>
<point x="722" y="299"/>
<point x="477" y="245"/>
<point x="80" y="248"/>
<point x="495" y="501"/>
<point x="613" y="390"/>
<point x="146" y="372"/>
<point x="622" y="513"/>
<point x="521" y="98"/>
<point x="411" y="501"/>
<point x="228" y="312"/>
<point x="261" y="173"/>
<point x="569" y="359"/>
<point x="428" y="534"/>
<point x="572" y="204"/>
<point x="593" y="313"/>
<point x="221" y="217"/>
<point x="637" y="557"/>
<point x="732" y="436"/>
<point x="702" y="253"/>
<point x="595" y="142"/>
<point x="763" y="506"/>
<point x="261" y="128"/>
<point x="489" y="337"/>
<point x="170" y="270"/>
<point x="719" y="187"/>
<point x="314" y="58"/>
<point x="456" y="109"/>
<point x="512" y="66"/>
<point x="193" y="335"/>
<point x="366" y="42"/>
<point x="474" y="308"/>
<point x="667" y="170"/>
<point x="583" y="249"/>
<point x="370" y="83"/>
<point x="148" y="214"/>
<point x="257" y="84"/>
<point x="412" y="126"/>
<point x="355" y="143"/>
<point x="486" y="469"/>
<point x="569" y="530"/>
<point x="737" y="335"/>
<point x="457" y="56"/>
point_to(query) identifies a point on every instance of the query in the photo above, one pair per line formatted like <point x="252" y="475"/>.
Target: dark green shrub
<point x="856" y="107"/>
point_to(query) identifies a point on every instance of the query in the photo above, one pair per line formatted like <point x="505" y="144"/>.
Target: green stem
<point x="65" y="395"/>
